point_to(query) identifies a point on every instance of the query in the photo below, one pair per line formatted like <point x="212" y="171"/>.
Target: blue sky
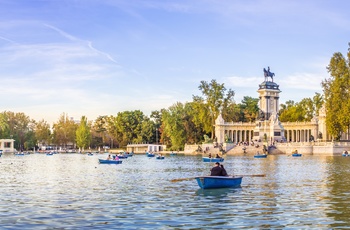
<point x="101" y="57"/>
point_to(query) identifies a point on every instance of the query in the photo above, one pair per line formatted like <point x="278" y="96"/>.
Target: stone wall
<point x="314" y="148"/>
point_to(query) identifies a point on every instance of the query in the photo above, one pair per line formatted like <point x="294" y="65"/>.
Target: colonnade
<point x="293" y="131"/>
<point x="239" y="135"/>
<point x="298" y="135"/>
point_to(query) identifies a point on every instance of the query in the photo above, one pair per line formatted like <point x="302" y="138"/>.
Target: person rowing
<point x="218" y="170"/>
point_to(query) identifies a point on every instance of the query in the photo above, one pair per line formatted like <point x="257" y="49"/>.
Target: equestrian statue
<point x="267" y="74"/>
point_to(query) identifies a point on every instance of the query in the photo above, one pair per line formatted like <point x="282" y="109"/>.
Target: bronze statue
<point x="267" y="74"/>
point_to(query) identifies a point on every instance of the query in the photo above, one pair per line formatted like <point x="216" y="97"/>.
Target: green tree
<point x="4" y="126"/>
<point x="215" y="98"/>
<point x="64" y="131"/>
<point x="173" y="125"/>
<point x="99" y="132"/>
<point x="128" y="128"/>
<point x="337" y="95"/>
<point x="250" y="108"/>
<point x="291" y="112"/>
<point x="83" y="135"/>
<point x="20" y="125"/>
<point x="43" y="133"/>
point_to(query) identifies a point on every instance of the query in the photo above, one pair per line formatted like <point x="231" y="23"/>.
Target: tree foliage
<point x="304" y="110"/>
<point x="132" y="127"/>
<point x="249" y="107"/>
<point x="64" y="131"/>
<point x="173" y="125"/>
<point x="83" y="134"/>
<point x="215" y="98"/>
<point x="43" y="133"/>
<point x="337" y="95"/>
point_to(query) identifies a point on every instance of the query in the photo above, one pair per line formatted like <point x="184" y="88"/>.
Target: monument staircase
<point x="249" y="149"/>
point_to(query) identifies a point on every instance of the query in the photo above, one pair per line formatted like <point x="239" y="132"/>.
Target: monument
<point x="268" y="127"/>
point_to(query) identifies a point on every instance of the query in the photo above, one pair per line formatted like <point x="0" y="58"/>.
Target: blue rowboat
<point x="150" y="154"/>
<point x="101" y="161"/>
<point x="160" y="157"/>
<point x="345" y="155"/>
<point x="122" y="156"/>
<point x="49" y="154"/>
<point x="173" y="154"/>
<point x="207" y="159"/>
<point x="260" y="156"/>
<point x="206" y="182"/>
<point x="90" y="154"/>
<point x="296" y="154"/>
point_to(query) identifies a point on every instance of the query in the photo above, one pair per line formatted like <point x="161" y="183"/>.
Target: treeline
<point x="182" y="122"/>
<point x="179" y="124"/>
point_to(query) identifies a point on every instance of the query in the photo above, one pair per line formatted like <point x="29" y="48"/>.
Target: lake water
<point x="73" y="191"/>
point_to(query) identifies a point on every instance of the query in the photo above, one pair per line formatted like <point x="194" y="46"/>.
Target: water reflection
<point x="221" y="192"/>
<point x="73" y="191"/>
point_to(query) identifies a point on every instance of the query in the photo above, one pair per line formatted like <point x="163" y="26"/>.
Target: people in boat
<point x="116" y="158"/>
<point x="258" y="153"/>
<point x="345" y="152"/>
<point x="216" y="170"/>
<point x="109" y="157"/>
<point x="224" y="173"/>
<point x="217" y="156"/>
<point x="209" y="155"/>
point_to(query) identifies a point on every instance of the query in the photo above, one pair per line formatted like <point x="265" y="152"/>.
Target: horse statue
<point x="267" y="74"/>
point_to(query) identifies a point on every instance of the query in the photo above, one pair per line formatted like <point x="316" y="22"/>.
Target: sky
<point x="100" y="57"/>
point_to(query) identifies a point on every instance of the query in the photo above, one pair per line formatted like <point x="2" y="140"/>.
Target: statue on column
<point x="268" y="74"/>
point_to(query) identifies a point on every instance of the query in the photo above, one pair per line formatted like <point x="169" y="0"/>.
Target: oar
<point x="182" y="179"/>
<point x="253" y="175"/>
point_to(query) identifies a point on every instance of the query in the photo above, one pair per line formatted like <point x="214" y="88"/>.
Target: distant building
<point x="142" y="148"/>
<point x="7" y="145"/>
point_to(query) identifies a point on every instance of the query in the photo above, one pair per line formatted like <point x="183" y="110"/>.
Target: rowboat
<point x="260" y="156"/>
<point x="122" y="156"/>
<point x="296" y="154"/>
<point x="345" y="155"/>
<point x="90" y="154"/>
<point x="101" y="161"/>
<point x="160" y="157"/>
<point x="173" y="154"/>
<point x="208" y="159"/>
<point x="206" y="182"/>
<point x="150" y="154"/>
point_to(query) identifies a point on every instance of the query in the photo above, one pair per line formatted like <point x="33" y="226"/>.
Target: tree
<point x="250" y="108"/>
<point x="173" y="126"/>
<point x="83" y="134"/>
<point x="337" y="95"/>
<point x="19" y="128"/>
<point x="291" y="112"/>
<point x="215" y="99"/>
<point x="99" y="132"/>
<point x="128" y="127"/>
<point x="4" y="126"/>
<point x="43" y="133"/>
<point x="64" y="131"/>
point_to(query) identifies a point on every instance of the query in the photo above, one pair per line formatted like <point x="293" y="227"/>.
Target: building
<point x="268" y="127"/>
<point x="7" y="145"/>
<point x="142" y="148"/>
